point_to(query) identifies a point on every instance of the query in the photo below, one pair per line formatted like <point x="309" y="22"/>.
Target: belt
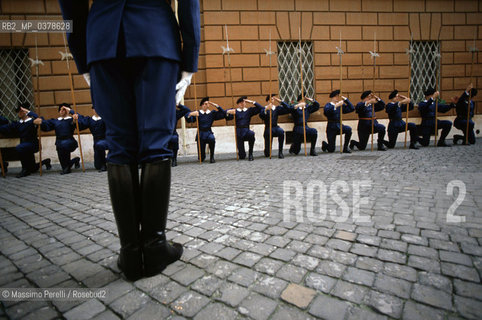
<point x="28" y="140"/>
<point x="205" y="129"/>
<point x="99" y="137"/>
<point x="64" y="137"/>
<point x="367" y="119"/>
<point x="334" y="121"/>
<point x="428" y="118"/>
<point x="242" y="127"/>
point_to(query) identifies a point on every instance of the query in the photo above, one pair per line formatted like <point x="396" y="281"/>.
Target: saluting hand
<point x="37" y="121"/>
<point x="231" y="111"/>
<point x="193" y="114"/>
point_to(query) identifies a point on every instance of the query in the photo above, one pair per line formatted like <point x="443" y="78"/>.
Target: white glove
<point x="87" y="78"/>
<point x="182" y="85"/>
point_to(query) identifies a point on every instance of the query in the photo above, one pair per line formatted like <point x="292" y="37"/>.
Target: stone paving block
<point x="385" y="303"/>
<point x="320" y="252"/>
<point x="151" y="310"/>
<point x="343" y="257"/>
<point x="298" y="246"/>
<point x="468" y="289"/>
<point x="357" y="313"/>
<point x="320" y="282"/>
<point x="218" y="311"/>
<point x="422" y="251"/>
<point x="369" y="264"/>
<point x="364" y="250"/>
<point x="268" y="266"/>
<point x="326" y="307"/>
<point x="400" y="271"/>
<point x="396" y="245"/>
<point x="257" y="307"/>
<point x="432" y="296"/>
<point x="391" y="256"/>
<point x="331" y="268"/>
<point x="349" y="291"/>
<point x="262" y="249"/>
<point x="286" y="312"/>
<point x="283" y="254"/>
<point x="338" y="244"/>
<point x="468" y="308"/>
<point x="189" y="303"/>
<point x="86" y="310"/>
<point x="305" y="261"/>
<point x="203" y="260"/>
<point x="207" y="285"/>
<point x="21" y="309"/>
<point x="413" y="239"/>
<point x="231" y="294"/>
<point x="298" y="295"/>
<point x="394" y="286"/>
<point x="222" y="269"/>
<point x="454" y="257"/>
<point x="417" y="311"/>
<point x="247" y="259"/>
<point x="244" y="276"/>
<point x="167" y="293"/>
<point x="435" y="280"/>
<point x="425" y="264"/>
<point x="46" y="312"/>
<point x="291" y="273"/>
<point x="371" y="240"/>
<point x="359" y="276"/>
<point x="188" y="275"/>
<point x="129" y="303"/>
<point x="269" y="286"/>
<point x="460" y="271"/>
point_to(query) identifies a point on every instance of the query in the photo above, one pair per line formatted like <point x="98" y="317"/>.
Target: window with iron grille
<point x="289" y="69"/>
<point x="15" y="81"/>
<point x="425" y="68"/>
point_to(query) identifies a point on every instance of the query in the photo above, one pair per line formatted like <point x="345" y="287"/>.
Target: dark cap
<point x="334" y="93"/>
<point x="393" y="94"/>
<point x="241" y="99"/>
<point x="429" y="92"/>
<point x="25" y="105"/>
<point x="366" y="94"/>
<point x="474" y="92"/>
<point x="204" y="100"/>
<point x="299" y="96"/>
<point x="64" y="104"/>
<point x="268" y="96"/>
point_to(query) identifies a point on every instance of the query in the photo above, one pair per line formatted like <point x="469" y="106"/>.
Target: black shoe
<point x="266" y="153"/>
<point x="280" y="155"/>
<point x="174" y="162"/>
<point x="65" y="171"/>
<point x="47" y="164"/>
<point x="457" y="138"/>
<point x="124" y="194"/>
<point x="155" y="188"/>
<point x="313" y="153"/>
<point x="346" y="150"/>
<point x="5" y="166"/>
<point x="211" y="160"/>
<point x="250" y="157"/>
<point x="23" y="173"/>
<point x="323" y="146"/>
<point x="413" y="146"/>
<point x="381" y="147"/>
<point x="442" y="143"/>
<point x="103" y="168"/>
<point x="76" y="161"/>
<point x="352" y="144"/>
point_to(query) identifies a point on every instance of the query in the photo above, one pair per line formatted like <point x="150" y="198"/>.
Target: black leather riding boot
<point x="124" y="194"/>
<point x="155" y="189"/>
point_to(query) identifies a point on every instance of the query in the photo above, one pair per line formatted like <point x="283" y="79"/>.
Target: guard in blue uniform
<point x="132" y="51"/>
<point x="332" y="113"/>
<point x="206" y="118"/>
<point x="26" y="130"/>
<point x="272" y="111"/>
<point x="97" y="128"/>
<point x="461" y="119"/>
<point x="65" y="143"/>
<point x="181" y="111"/>
<point x="427" y="112"/>
<point x="4" y="121"/>
<point x="243" y="119"/>
<point x="395" y="107"/>
<point x="297" y="114"/>
<point x="365" y="109"/>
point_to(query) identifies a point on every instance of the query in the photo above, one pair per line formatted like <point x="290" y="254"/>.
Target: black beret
<point x="429" y="91"/>
<point x="393" y="94"/>
<point x="300" y="97"/>
<point x="267" y="97"/>
<point x="64" y="104"/>
<point x="241" y="99"/>
<point x="474" y="92"/>
<point x="334" y="93"/>
<point x="204" y="100"/>
<point x="25" y="105"/>
<point x="366" y="94"/>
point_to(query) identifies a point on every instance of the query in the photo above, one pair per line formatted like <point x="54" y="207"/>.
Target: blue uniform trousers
<point x="311" y="136"/>
<point x="207" y="137"/>
<point x="395" y="129"/>
<point x="26" y="152"/>
<point x="428" y="129"/>
<point x="136" y="99"/>
<point x="275" y="132"/>
<point x="332" y="131"/>
<point x="244" y="134"/>
<point x="461" y="124"/>
<point x="64" y="148"/>
<point x="100" y="147"/>
<point x="365" y="130"/>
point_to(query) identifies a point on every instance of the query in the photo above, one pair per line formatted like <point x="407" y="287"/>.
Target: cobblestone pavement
<point x="242" y="260"/>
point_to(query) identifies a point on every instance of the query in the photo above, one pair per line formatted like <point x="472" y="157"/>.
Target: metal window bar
<point x="289" y="69"/>
<point x="15" y="81"/>
<point x="424" y="68"/>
